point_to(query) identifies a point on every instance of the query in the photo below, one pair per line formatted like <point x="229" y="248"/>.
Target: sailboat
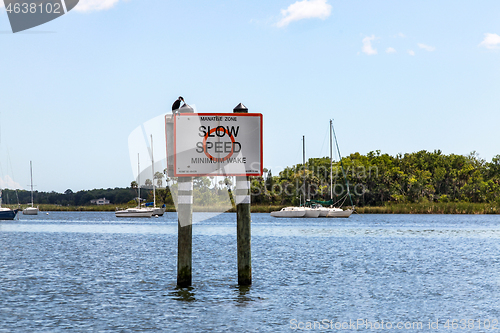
<point x="290" y="212"/>
<point x="6" y="213"/>
<point x="333" y="211"/>
<point x="157" y="211"/>
<point x="301" y="211"/>
<point x="31" y="210"/>
<point x="138" y="211"/>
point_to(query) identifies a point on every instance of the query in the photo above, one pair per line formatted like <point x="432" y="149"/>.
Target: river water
<point x="92" y="272"/>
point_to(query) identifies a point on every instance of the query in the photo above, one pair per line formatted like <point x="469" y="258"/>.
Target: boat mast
<point x="138" y="181"/>
<point x="304" y="164"/>
<point x="342" y="166"/>
<point x="331" y="164"/>
<point x="153" y="170"/>
<point x="31" y="173"/>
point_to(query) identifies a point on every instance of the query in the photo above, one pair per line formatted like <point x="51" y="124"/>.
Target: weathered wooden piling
<point x="243" y="221"/>
<point x="185" y="225"/>
<point x="184" y="231"/>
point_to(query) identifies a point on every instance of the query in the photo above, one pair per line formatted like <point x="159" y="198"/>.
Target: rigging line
<point x="342" y="164"/>
<point x="344" y="197"/>
<point x="146" y="140"/>
<point x="12" y="170"/>
<point x="10" y="163"/>
<point x="321" y="151"/>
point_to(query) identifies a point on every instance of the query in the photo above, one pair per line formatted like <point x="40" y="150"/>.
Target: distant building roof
<point x="101" y="201"/>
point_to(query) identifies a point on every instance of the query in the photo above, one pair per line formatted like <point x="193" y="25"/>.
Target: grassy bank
<point x="112" y="208"/>
<point x="414" y="208"/>
<point x="433" y="208"/>
<point x="411" y="208"/>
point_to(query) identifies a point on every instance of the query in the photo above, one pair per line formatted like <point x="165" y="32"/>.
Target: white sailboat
<point x="311" y="212"/>
<point x="289" y="212"/>
<point x="157" y="211"/>
<point x="334" y="211"/>
<point x="337" y="212"/>
<point x="31" y="210"/>
<point x="301" y="211"/>
<point x="134" y="212"/>
<point x="138" y="211"/>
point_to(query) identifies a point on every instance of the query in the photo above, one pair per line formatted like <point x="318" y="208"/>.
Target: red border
<point x="216" y="114"/>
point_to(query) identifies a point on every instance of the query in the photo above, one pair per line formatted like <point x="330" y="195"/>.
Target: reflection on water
<point x="94" y="272"/>
<point x="244" y="295"/>
<point x="215" y="224"/>
<point x="183" y="294"/>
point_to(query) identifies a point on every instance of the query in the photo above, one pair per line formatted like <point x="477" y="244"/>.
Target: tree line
<point x="373" y="179"/>
<point x="376" y="179"/>
<point x="70" y="198"/>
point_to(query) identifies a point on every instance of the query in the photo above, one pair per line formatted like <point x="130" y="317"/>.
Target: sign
<point x="217" y="144"/>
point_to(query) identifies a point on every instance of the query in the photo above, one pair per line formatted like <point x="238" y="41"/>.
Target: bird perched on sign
<point x="177" y="104"/>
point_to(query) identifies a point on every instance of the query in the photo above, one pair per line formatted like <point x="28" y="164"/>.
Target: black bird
<point x="177" y="104"/>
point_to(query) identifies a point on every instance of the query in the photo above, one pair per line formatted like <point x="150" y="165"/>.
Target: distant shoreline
<point x="407" y="208"/>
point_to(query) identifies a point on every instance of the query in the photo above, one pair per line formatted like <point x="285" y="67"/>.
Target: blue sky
<point x="397" y="76"/>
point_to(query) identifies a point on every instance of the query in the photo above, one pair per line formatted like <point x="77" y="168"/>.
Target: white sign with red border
<point x="217" y="144"/>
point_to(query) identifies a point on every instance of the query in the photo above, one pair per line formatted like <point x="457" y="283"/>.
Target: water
<point x="83" y="271"/>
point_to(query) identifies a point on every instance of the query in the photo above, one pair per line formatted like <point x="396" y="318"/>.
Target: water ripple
<point x="93" y="272"/>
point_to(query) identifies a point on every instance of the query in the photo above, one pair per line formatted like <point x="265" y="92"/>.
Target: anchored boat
<point x="31" y="210"/>
<point x="6" y="213"/>
<point x="290" y="212"/>
<point x="303" y="210"/>
<point x="157" y="211"/>
<point x="134" y="212"/>
<point x="333" y="211"/>
<point x="139" y="211"/>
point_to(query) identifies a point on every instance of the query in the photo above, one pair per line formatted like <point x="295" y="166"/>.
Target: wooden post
<point x="243" y="221"/>
<point x="184" y="231"/>
<point x="184" y="226"/>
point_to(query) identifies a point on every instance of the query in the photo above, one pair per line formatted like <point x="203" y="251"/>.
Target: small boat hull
<point x="158" y="211"/>
<point x="312" y="213"/>
<point x="30" y="211"/>
<point x="289" y="212"/>
<point x="296" y="212"/>
<point x="134" y="212"/>
<point x="340" y="213"/>
<point x="8" y="214"/>
<point x="323" y="212"/>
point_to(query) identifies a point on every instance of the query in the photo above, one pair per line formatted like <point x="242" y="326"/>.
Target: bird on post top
<point x="177" y="104"/>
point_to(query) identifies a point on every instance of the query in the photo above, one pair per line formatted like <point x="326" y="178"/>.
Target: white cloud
<point x="9" y="183"/>
<point x="390" y="50"/>
<point x="402" y="35"/>
<point x="491" y="41"/>
<point x="305" y="9"/>
<point x="426" y="47"/>
<point x="94" y="5"/>
<point x="367" y="45"/>
<point x="410" y="52"/>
